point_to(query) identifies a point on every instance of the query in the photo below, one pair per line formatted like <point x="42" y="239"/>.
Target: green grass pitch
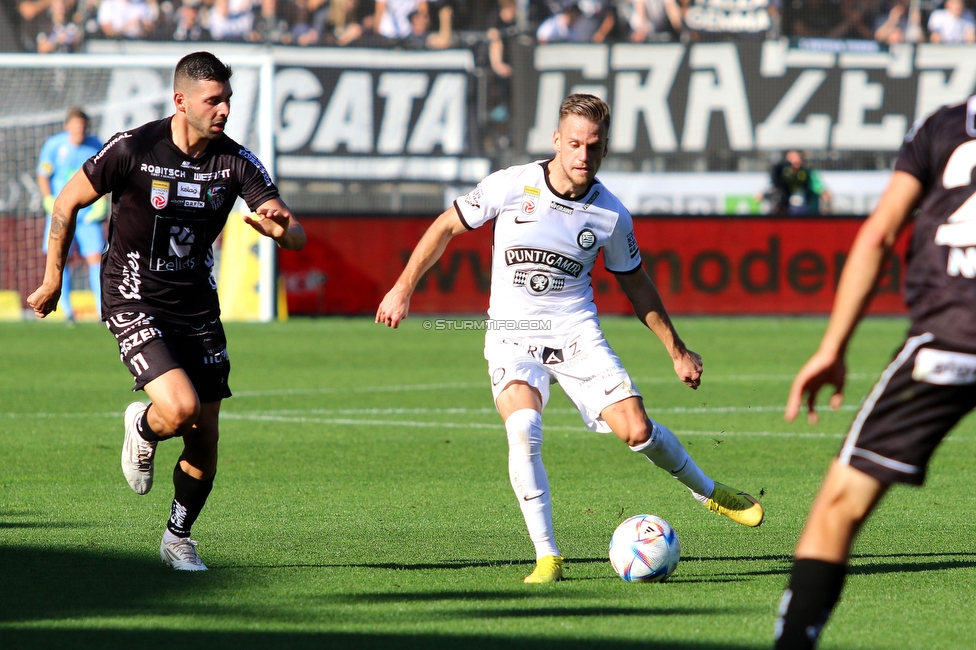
<point x="362" y="501"/>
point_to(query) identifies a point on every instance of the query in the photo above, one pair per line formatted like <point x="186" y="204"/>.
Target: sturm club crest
<point x="538" y="283"/>
<point x="216" y="196"/>
<point x="586" y="239"/>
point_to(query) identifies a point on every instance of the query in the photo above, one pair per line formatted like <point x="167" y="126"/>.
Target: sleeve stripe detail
<point x="461" y="216"/>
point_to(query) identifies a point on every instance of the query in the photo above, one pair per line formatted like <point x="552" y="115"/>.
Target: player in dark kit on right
<point x="173" y="184"/>
<point x="928" y="386"/>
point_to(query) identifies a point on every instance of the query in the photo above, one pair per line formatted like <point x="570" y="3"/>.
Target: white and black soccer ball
<point x="644" y="548"/>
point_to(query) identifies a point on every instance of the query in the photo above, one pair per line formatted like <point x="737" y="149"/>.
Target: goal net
<point x="118" y="93"/>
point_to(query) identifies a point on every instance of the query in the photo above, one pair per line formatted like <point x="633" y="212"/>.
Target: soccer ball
<point x="644" y="548"/>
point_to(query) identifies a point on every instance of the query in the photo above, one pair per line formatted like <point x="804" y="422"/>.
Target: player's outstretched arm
<point x="873" y="242"/>
<point x="273" y="219"/>
<point x="76" y="194"/>
<point x="396" y="303"/>
<point x="649" y="307"/>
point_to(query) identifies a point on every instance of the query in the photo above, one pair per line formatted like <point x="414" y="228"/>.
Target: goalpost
<point x="118" y="92"/>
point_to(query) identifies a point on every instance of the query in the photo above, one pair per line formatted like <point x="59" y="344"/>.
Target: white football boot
<point x="181" y="554"/>
<point x="137" y="453"/>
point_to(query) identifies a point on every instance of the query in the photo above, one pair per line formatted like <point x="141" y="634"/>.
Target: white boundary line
<point x="399" y="388"/>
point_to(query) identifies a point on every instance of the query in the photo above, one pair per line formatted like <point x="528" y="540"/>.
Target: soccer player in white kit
<point x="551" y="218"/>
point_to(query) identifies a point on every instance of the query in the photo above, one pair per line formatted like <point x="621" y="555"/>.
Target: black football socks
<point x="806" y="605"/>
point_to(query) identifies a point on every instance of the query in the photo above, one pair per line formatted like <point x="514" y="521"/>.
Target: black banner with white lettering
<point x="678" y="102"/>
<point x="378" y="115"/>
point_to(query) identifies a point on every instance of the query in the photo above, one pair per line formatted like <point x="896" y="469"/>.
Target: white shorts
<point x="581" y="362"/>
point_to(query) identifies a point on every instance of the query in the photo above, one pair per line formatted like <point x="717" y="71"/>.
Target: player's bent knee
<point x="177" y="416"/>
<point x="636" y="432"/>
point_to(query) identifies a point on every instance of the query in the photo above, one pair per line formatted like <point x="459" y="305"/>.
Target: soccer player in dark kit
<point x="173" y="183"/>
<point x="928" y="386"/>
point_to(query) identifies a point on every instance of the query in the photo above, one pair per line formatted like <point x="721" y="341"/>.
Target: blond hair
<point x="589" y="107"/>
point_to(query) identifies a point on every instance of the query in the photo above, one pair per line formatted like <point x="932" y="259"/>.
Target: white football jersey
<point x="545" y="245"/>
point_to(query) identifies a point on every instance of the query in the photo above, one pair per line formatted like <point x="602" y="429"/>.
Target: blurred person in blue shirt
<point x="61" y="156"/>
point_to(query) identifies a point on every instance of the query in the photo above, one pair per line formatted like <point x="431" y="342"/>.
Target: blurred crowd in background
<point x="65" y="25"/>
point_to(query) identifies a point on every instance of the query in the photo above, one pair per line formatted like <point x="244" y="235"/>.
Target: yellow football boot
<point x="547" y="569"/>
<point x="737" y="506"/>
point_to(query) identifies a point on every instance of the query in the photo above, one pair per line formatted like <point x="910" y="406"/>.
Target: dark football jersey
<point x="940" y="285"/>
<point x="167" y="210"/>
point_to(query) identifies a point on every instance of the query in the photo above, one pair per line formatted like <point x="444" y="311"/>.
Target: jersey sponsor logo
<point x="959" y="231"/>
<point x="215" y="358"/>
<point x="632" y="244"/>
<point x="131" y="279"/>
<point x="136" y="339"/>
<point x="220" y="174"/>
<point x="551" y="356"/>
<point x="162" y="172"/>
<point x="538" y="283"/>
<point x="216" y="196"/>
<point x="177" y="244"/>
<point x="180" y="241"/>
<point x="189" y="190"/>
<point x="592" y="199"/>
<point x="944" y="368"/>
<point x="246" y="154"/>
<point x="111" y="143"/>
<point x="551" y="259"/>
<point x="586" y="239"/>
<point x="126" y="321"/>
<point x="529" y="203"/>
<point x="559" y="207"/>
<point x="189" y="203"/>
<point x="159" y="195"/>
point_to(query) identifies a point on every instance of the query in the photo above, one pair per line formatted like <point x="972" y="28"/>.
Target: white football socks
<point x="529" y="478"/>
<point x="665" y="450"/>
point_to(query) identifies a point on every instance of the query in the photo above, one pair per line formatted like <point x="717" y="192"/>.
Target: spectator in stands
<point x="33" y="21"/>
<point x="953" y="23"/>
<point x="900" y="24"/>
<point x="188" y="26"/>
<point x="501" y="29"/>
<point x="443" y="15"/>
<point x="348" y="21"/>
<point x="597" y="20"/>
<point x="796" y="189"/>
<point x="559" y="26"/>
<point x="270" y="25"/>
<point x="308" y="20"/>
<point x="393" y="17"/>
<point x="652" y="20"/>
<point x="231" y="20"/>
<point x="63" y="35"/>
<point x="855" y="21"/>
<point x="132" y="19"/>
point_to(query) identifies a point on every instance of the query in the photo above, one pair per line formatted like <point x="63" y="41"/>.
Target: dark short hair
<point x="75" y="112"/>
<point x="589" y="107"/>
<point x="201" y="66"/>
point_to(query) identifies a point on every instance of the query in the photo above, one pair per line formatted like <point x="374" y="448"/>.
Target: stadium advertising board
<point x="357" y="114"/>
<point x="726" y="98"/>
<point x="702" y="265"/>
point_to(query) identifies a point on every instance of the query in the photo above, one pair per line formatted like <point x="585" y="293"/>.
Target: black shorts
<point x="920" y="396"/>
<point x="150" y="346"/>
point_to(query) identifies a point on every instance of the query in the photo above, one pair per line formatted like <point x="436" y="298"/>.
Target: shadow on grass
<point x="148" y="640"/>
